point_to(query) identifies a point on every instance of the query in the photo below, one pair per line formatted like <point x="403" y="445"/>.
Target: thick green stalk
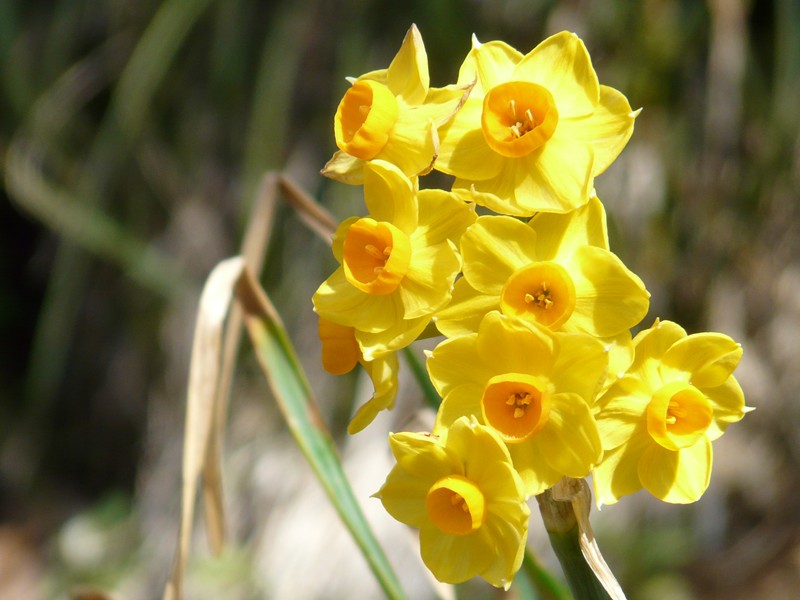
<point x="562" y="527"/>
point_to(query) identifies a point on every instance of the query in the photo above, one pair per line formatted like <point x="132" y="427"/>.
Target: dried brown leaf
<point x="204" y="377"/>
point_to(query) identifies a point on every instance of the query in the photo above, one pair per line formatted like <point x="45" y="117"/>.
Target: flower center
<point x="678" y="415"/>
<point x="340" y="351"/>
<point x="456" y="505"/>
<point x="376" y="256"/>
<point x="364" y="119"/>
<point x="515" y="405"/>
<point x="541" y="292"/>
<point x="518" y="117"/>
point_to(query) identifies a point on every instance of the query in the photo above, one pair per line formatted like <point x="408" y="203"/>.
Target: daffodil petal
<point x="340" y="352"/>
<point x="678" y="477"/>
<point x="727" y="401"/>
<point x="463" y="150"/>
<point x="607" y="129"/>
<point x="398" y="335"/>
<point x="383" y="373"/>
<point x="472" y="456"/>
<point x="422" y="291"/>
<point x="509" y="532"/>
<point x="581" y="365"/>
<point x="338" y="301"/>
<point x="559" y="180"/>
<point x="422" y="461"/>
<point x="407" y="75"/>
<point x="621" y="411"/>
<point x="338" y="237"/>
<point x="447" y="101"/>
<point x="555" y="178"/>
<point x="710" y="358"/>
<point x="493" y="248"/>
<point x="403" y="497"/>
<point x="506" y="345"/>
<point x="412" y="146"/>
<point x="414" y="140"/>
<point x="466" y="309"/>
<point x="443" y="216"/>
<point x="345" y="168"/>
<point x="390" y="195"/>
<point x="452" y="558"/>
<point x="454" y="362"/>
<point x="536" y="472"/>
<point x="618" y="474"/>
<point x="558" y="235"/>
<point x="562" y="65"/>
<point x="488" y="64"/>
<point x="480" y="449"/>
<point x="620" y="355"/>
<point x="570" y="441"/>
<point x="421" y="455"/>
<point x="462" y="400"/>
<point x="650" y="345"/>
<point x="610" y="298"/>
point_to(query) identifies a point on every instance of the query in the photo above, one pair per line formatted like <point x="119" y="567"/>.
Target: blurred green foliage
<point x="134" y="135"/>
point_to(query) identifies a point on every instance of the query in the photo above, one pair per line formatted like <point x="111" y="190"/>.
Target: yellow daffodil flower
<point x="536" y="129"/>
<point x="397" y="265"/>
<point x="556" y="271"/>
<point x="393" y="115"/>
<point x="532" y="386"/>
<point x="466" y="499"/>
<point x="340" y="354"/>
<point x="658" y="421"/>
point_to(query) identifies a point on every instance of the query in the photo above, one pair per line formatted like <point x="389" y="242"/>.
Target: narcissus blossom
<point x="466" y="499"/>
<point x="556" y="271"/>
<point x="397" y="265"/>
<point x="393" y="115"/>
<point x="536" y="129"/>
<point x="532" y="386"/>
<point x="340" y="354"/>
<point x="658" y="421"/>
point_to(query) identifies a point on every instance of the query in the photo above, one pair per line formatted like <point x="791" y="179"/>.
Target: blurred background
<point x="134" y="136"/>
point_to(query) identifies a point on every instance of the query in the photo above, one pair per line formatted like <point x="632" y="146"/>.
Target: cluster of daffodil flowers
<point x="539" y="375"/>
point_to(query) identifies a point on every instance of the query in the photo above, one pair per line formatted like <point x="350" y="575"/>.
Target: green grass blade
<point x="151" y="60"/>
<point x="282" y="369"/>
<point x="543" y="583"/>
<point x="429" y="393"/>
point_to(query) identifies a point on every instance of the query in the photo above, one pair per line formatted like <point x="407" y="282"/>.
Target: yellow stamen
<point x="518" y="117"/>
<point x="376" y="256"/>
<point x="515" y="406"/>
<point x="678" y="415"/>
<point x="374" y="252"/>
<point x="541" y="292"/>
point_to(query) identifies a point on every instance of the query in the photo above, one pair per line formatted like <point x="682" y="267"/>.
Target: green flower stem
<point x="547" y="586"/>
<point x="421" y="375"/>
<point x="562" y="528"/>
